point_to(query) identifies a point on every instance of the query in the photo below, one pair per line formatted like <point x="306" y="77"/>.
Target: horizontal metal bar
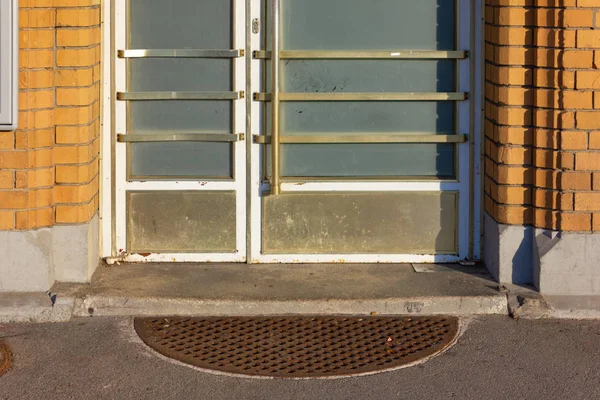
<point x="180" y="95"/>
<point x="378" y="96"/>
<point x="180" y="137"/>
<point x="365" y="138"/>
<point x="363" y="54"/>
<point x="179" y="53"/>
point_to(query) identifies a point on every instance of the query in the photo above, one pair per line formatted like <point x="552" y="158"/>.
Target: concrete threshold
<point x="324" y="289"/>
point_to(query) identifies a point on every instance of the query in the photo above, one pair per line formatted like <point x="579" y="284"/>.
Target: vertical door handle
<point x="275" y="123"/>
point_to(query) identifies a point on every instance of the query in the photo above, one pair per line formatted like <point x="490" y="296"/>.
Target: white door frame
<point x="248" y="237"/>
<point x="120" y="183"/>
<point x="463" y="184"/>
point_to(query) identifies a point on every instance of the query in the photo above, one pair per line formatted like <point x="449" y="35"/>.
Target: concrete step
<point x="324" y="289"/>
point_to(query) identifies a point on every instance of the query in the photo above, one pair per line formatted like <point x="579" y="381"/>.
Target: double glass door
<point x="291" y="130"/>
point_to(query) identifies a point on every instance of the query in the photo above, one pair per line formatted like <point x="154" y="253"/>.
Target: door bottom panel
<point x="181" y="221"/>
<point x="360" y="223"/>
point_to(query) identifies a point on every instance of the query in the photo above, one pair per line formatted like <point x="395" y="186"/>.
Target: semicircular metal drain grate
<point x="298" y="347"/>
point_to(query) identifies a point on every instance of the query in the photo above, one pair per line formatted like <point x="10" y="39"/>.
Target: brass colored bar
<point x="179" y="53"/>
<point x="180" y="95"/>
<point x="275" y="160"/>
<point x="366" y="96"/>
<point x="362" y="54"/>
<point x="179" y="137"/>
<point x="364" y="138"/>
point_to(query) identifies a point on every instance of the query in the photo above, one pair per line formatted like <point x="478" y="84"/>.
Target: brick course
<point x="49" y="167"/>
<point x="542" y="145"/>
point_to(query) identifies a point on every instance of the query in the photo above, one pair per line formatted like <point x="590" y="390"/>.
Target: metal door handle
<point x="180" y="53"/>
<point x="275" y="161"/>
<point x="363" y="54"/>
<point x="364" y="138"/>
<point x="179" y="137"/>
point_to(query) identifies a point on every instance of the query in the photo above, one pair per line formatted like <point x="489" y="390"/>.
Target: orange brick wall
<point x="49" y="167"/>
<point x="542" y="130"/>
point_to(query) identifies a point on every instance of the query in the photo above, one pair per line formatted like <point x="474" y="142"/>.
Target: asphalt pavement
<point x="496" y="358"/>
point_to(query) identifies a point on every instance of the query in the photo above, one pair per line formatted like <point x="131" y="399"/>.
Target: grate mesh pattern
<point x="298" y="347"/>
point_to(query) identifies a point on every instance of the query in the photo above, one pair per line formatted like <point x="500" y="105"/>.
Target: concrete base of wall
<point x="569" y="264"/>
<point x="76" y="251"/>
<point x="26" y="261"/>
<point x="556" y="263"/>
<point x="34" y="308"/>
<point x="33" y="260"/>
<point x="574" y="307"/>
<point x="508" y="252"/>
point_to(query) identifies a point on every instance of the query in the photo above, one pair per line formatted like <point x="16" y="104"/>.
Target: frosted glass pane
<point x="363" y="160"/>
<point x="180" y="115"/>
<point x="181" y="159"/>
<point x="180" y="24"/>
<point x="335" y="76"/>
<point x="183" y="74"/>
<point x="351" y="117"/>
<point x="161" y="24"/>
<point x="368" y="24"/>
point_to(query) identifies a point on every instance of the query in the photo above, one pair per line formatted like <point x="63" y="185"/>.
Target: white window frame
<point x="121" y="185"/>
<point x="9" y="65"/>
<point x="467" y="222"/>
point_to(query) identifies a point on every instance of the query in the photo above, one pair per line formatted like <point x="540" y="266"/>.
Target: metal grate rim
<point x="5" y="358"/>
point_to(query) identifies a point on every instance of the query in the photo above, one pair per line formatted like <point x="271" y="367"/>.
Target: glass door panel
<point x="335" y="76"/>
<point x="377" y="160"/>
<point x="368" y="24"/>
<point x="361" y="127"/>
<point x="404" y="50"/>
<point x="180" y="130"/>
<point x="180" y="24"/>
<point x="300" y="118"/>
